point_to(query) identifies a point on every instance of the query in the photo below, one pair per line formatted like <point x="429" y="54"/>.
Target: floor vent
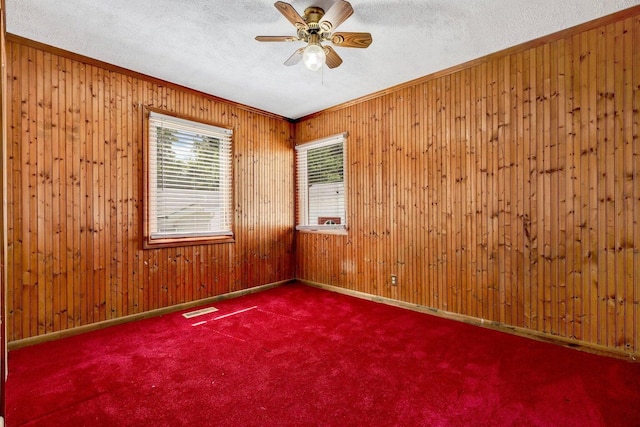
<point x="200" y="312"/>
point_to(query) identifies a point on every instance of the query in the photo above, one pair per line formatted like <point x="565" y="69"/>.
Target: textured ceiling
<point x="209" y="45"/>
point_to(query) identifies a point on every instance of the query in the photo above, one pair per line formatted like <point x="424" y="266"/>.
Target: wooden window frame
<point x="148" y="242"/>
<point x="304" y="226"/>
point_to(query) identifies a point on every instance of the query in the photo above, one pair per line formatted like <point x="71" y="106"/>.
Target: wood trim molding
<point x="605" y="20"/>
<point x="14" y="345"/>
<point x="522" y="332"/>
<point x="626" y="13"/>
<point x="12" y="38"/>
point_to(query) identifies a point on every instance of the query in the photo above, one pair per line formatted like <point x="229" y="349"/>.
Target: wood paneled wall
<point x="508" y="190"/>
<point x="75" y="202"/>
<point x="3" y="210"/>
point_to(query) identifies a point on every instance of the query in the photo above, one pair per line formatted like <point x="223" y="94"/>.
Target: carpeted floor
<point x="300" y="356"/>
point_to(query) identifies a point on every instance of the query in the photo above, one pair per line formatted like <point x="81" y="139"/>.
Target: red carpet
<point x="299" y="356"/>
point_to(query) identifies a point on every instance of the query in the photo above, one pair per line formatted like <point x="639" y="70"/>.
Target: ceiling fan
<point x="315" y="27"/>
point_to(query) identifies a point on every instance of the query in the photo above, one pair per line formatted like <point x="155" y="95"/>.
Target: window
<point x="188" y="182"/>
<point x="321" y="184"/>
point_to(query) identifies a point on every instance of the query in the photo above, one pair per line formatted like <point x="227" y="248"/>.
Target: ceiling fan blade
<point x="290" y="13"/>
<point x="360" y="40"/>
<point x="276" y="38"/>
<point x="295" y="58"/>
<point x="333" y="59"/>
<point x="336" y="15"/>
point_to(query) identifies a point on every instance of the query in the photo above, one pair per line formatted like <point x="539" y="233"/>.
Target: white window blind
<point x="321" y="184"/>
<point x="189" y="179"/>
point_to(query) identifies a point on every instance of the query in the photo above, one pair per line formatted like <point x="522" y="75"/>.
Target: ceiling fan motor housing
<point x="313" y="15"/>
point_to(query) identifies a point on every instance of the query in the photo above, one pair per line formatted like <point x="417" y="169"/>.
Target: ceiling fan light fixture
<point x="316" y="27"/>
<point x="314" y="57"/>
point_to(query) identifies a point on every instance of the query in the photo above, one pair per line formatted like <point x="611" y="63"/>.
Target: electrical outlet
<point x="394" y="280"/>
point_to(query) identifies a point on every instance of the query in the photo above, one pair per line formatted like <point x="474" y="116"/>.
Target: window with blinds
<point x="321" y="185"/>
<point x="189" y="181"/>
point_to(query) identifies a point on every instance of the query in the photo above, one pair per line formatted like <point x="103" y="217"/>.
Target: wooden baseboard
<point x="523" y="332"/>
<point x="139" y="316"/>
<point x="490" y="324"/>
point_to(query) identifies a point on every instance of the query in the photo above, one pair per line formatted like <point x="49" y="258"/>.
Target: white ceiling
<point x="209" y="45"/>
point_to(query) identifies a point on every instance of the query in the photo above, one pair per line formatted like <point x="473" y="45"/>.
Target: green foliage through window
<point x="325" y="164"/>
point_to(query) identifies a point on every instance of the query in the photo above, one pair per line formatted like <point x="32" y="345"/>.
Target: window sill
<point x="178" y="242"/>
<point x="315" y="230"/>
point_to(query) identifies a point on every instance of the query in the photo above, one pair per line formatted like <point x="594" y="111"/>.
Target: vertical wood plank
<point x="634" y="330"/>
<point x="559" y="187"/>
